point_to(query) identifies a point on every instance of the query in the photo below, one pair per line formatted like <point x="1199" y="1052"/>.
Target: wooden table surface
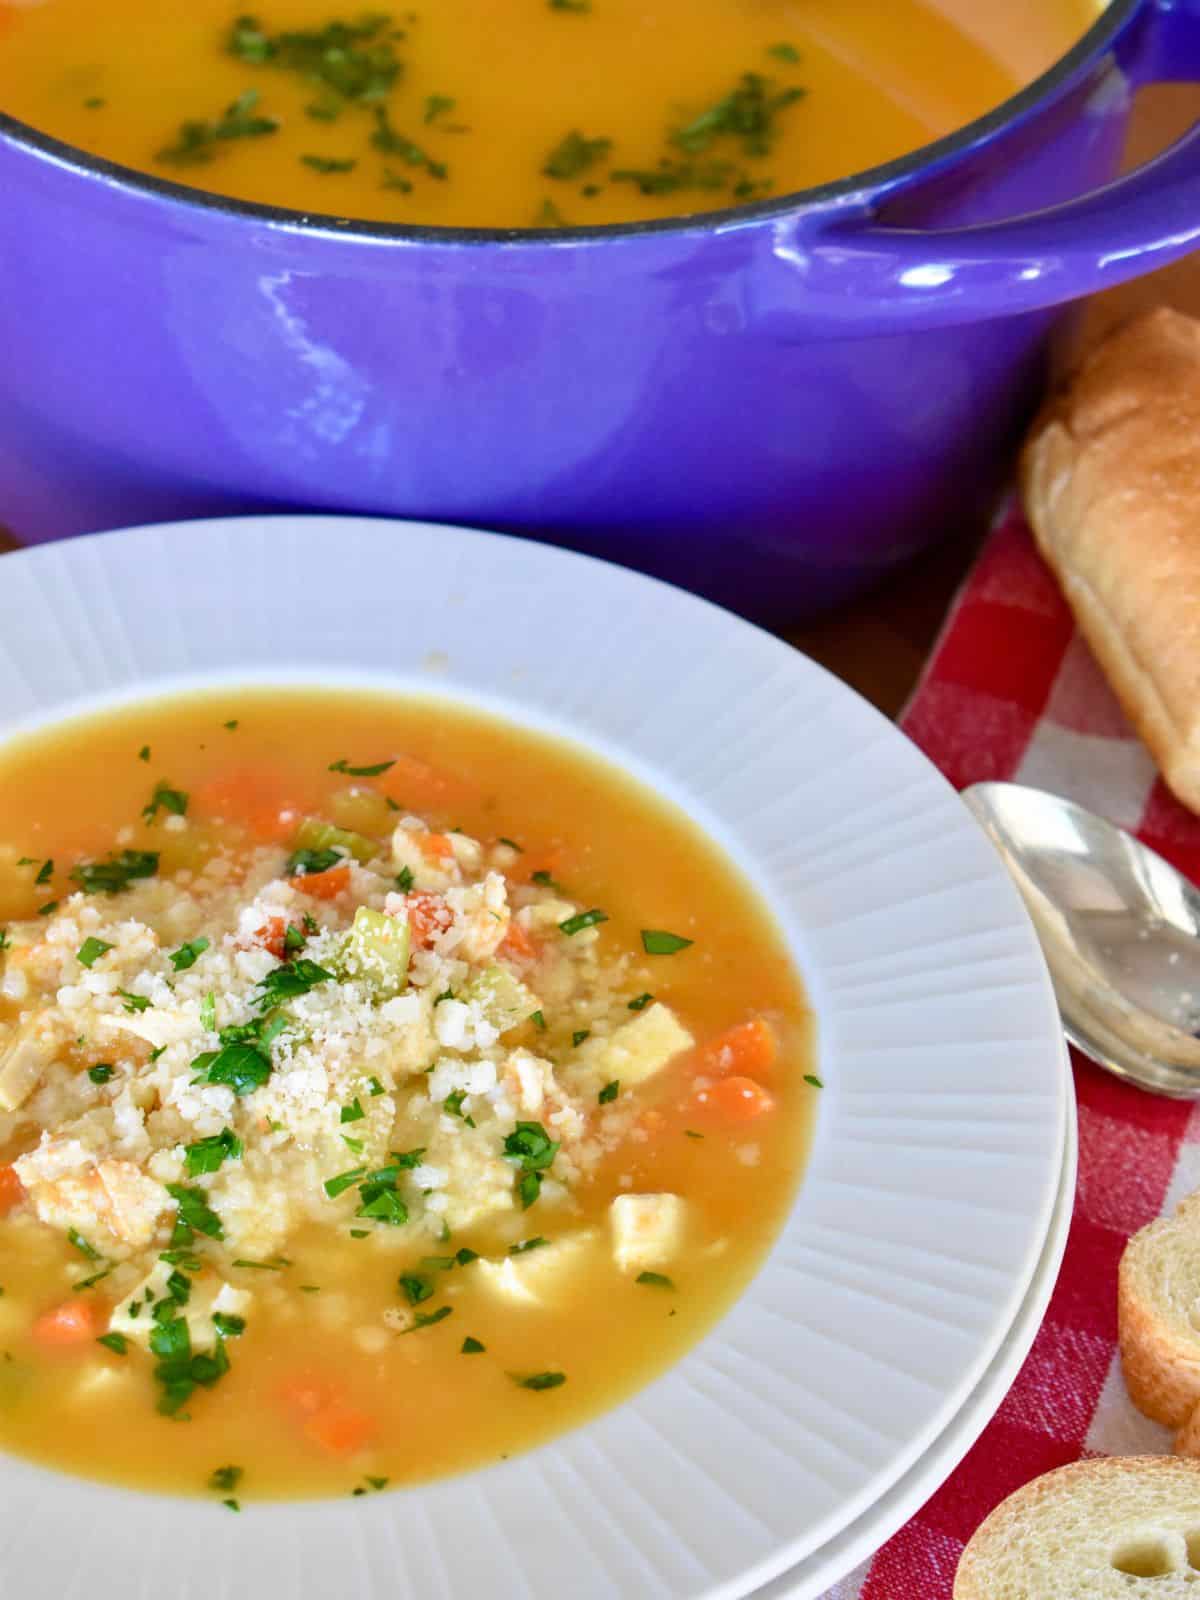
<point x="879" y="643"/>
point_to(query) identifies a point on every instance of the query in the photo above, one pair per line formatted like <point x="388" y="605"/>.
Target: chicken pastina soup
<point x="383" y="1089"/>
<point x="468" y="113"/>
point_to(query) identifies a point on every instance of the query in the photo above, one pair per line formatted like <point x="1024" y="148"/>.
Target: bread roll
<point x="1089" y="1532"/>
<point x="1111" y="476"/>
<point x="1158" y="1316"/>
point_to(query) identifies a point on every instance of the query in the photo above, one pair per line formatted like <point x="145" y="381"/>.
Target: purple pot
<point x="772" y="405"/>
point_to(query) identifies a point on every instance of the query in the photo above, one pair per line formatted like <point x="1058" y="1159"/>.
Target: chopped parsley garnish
<point x="82" y="1245"/>
<point x="376" y="771"/>
<point x="242" y="1067"/>
<point x="198" y="141"/>
<point x="464" y="1257"/>
<point x="375" y="1088"/>
<point x="582" y="920"/>
<point x="96" y="1277"/>
<point x="293" y="939"/>
<point x="574" y="155"/>
<point x="287" y="983"/>
<point x="231" y="1505"/>
<point x="352" y="1113"/>
<point x="811" y="1077"/>
<point x="609" y="1092"/>
<point x="537" y="1018"/>
<point x="208" y="1155"/>
<point x="539" y="1380"/>
<point x="194" y="1211"/>
<point x="577" y="6"/>
<point x="343" y="1181"/>
<point x="5" y="941"/>
<point x="511" y="843"/>
<point x="265" y="1266"/>
<point x="328" y="165"/>
<point x="188" y="954"/>
<point x="91" y="950"/>
<point x="225" y="1479"/>
<point x="116" y="1342"/>
<point x="654" y="1280"/>
<point x="525" y="1245"/>
<point x="747" y="113"/>
<point x="392" y="143"/>
<point x="227" y="1325"/>
<point x="657" y="942"/>
<point x="404" y="880"/>
<point x="640" y="1002"/>
<point x="533" y="1150"/>
<point x="543" y="878"/>
<point x="116" y="872"/>
<point x="784" y="52"/>
<point x="312" y="862"/>
<point x="101" y="1072"/>
<point x="208" y="1013"/>
<point x="690" y="1133"/>
<point x="453" y="1106"/>
<point x="354" y="1145"/>
<point x="164" y="798"/>
<point x="426" y="1319"/>
<point x="144" y="753"/>
<point x="580" y="1035"/>
<point x="231" y="724"/>
<point x="472" y="1347"/>
<point x="45" y="872"/>
<point x="347" y="61"/>
<point x="415" y="1288"/>
<point x="134" y="1002"/>
<point x="380" y="1200"/>
<point x="48" y="909"/>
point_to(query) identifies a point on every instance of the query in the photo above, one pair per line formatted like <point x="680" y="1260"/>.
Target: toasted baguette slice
<point x="1111" y="476"/>
<point x="1088" y="1531"/>
<point x="1158" y="1317"/>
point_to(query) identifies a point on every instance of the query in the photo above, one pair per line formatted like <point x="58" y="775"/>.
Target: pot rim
<point x="149" y="186"/>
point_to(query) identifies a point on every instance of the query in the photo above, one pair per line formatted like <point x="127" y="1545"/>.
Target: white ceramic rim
<point x="932" y="1182"/>
<point x="817" y="1574"/>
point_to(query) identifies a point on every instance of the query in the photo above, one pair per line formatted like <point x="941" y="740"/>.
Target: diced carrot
<point x="435" y="846"/>
<point x="12" y="1190"/>
<point x="748" y="1049"/>
<point x="323" y="885"/>
<point x="736" y="1099"/>
<point x="339" y="1430"/>
<point x="272" y="936"/>
<point x="73" y="1322"/>
<point x="262" y="802"/>
<point x="428" y="917"/>
<point x="517" y="945"/>
<point x="304" y="1394"/>
<point x="418" y="786"/>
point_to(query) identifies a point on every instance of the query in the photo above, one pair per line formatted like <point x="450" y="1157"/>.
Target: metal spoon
<point x="1120" y="930"/>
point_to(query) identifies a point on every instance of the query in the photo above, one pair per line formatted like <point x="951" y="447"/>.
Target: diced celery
<point x="313" y="834"/>
<point x="363" y="810"/>
<point x="375" y="951"/>
<point x="505" y="999"/>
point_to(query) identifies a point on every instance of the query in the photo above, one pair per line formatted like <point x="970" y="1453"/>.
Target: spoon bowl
<point x="1119" y="927"/>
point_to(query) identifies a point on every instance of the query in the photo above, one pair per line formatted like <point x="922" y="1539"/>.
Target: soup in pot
<point x="469" y="113"/>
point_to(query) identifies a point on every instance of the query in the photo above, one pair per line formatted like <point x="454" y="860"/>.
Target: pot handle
<point x="861" y="277"/>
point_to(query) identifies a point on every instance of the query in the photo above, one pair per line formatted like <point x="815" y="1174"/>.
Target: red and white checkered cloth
<point x="1012" y="692"/>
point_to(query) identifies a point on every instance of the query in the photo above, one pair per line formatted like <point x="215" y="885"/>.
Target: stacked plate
<point x="912" y="1274"/>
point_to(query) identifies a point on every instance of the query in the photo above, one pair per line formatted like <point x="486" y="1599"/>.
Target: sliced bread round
<point x="1158" y="1312"/>
<point x="1115" y="1529"/>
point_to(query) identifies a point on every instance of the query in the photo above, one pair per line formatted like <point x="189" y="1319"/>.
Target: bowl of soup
<point x="752" y="296"/>
<point x="466" y="1107"/>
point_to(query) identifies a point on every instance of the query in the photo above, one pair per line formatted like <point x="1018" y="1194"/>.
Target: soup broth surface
<point x="367" y="1348"/>
<point x="466" y="113"/>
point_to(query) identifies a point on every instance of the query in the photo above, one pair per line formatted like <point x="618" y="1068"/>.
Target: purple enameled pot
<point x="772" y="405"/>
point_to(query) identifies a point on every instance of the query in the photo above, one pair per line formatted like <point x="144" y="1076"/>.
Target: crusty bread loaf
<point x="1158" y="1315"/>
<point x="1089" y="1532"/>
<point x="1111" y="476"/>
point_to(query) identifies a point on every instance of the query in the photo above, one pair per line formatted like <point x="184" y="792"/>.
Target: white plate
<point x="816" y="1575"/>
<point x="928" y="1197"/>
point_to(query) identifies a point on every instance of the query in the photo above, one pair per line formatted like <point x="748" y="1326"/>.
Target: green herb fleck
<point x="415" y="1288"/>
<point x="352" y="1113"/>
<point x="426" y="1319"/>
<point x="82" y="1245"/>
<point x="472" y="1347"/>
<point x="811" y="1077"/>
<point x="116" y="872"/>
<point x="134" y="1002"/>
<point x="208" y="1155"/>
<point x="657" y="942"/>
<point x="654" y="1280"/>
<point x="436" y="105"/>
<point x="539" y="1380"/>
<point x="101" y="1072"/>
<point x="164" y="798"/>
<point x="343" y="1181"/>
<point x="45" y="872"/>
<point x="582" y="920"/>
<point x="574" y="155"/>
<point x="784" y="52"/>
<point x="327" y="165"/>
<point x="609" y="1092"/>
<point x="188" y="954"/>
<point x="91" y="950"/>
<point x="116" y="1342"/>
